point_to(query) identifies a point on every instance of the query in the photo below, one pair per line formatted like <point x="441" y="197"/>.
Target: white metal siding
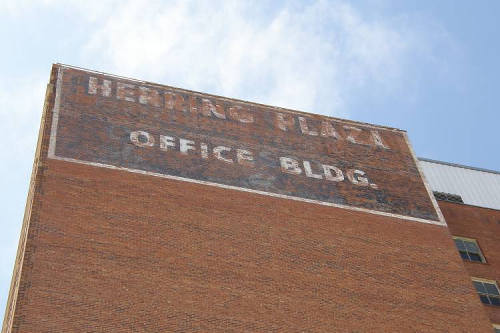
<point x="476" y="187"/>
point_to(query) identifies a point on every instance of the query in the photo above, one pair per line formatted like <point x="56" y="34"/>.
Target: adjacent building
<point x="470" y="201"/>
<point x="158" y="209"/>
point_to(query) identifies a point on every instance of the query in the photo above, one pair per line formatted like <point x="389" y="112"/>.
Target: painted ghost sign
<point x="114" y="122"/>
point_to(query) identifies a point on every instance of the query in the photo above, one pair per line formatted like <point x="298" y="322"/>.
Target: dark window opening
<point x="448" y="197"/>
<point x="468" y="249"/>
<point x="488" y="292"/>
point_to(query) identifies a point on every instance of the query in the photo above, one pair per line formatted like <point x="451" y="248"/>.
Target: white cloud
<point x="21" y="101"/>
<point x="304" y="56"/>
<point x="314" y="56"/>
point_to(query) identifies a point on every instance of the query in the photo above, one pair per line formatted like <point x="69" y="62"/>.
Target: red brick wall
<point x="482" y="224"/>
<point x="94" y="126"/>
<point x="113" y="251"/>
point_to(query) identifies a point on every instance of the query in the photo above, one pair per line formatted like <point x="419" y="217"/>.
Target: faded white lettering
<point x="244" y="157"/>
<point x="330" y="172"/>
<point x="207" y="109"/>
<point x="377" y="140"/>
<point x="289" y="165"/>
<point x="185" y="146"/>
<point x="357" y="177"/>
<point x="142" y="139"/>
<point x="204" y="150"/>
<point x="283" y="123"/>
<point x="149" y="96"/>
<point x="125" y="91"/>
<point x="327" y="170"/>
<point x="308" y="171"/>
<point x="166" y="141"/>
<point x="210" y="107"/>
<point x="352" y="133"/>
<point x="305" y="128"/>
<point x="327" y="130"/>
<point x="94" y="86"/>
<point x="235" y="112"/>
<point x="218" y="154"/>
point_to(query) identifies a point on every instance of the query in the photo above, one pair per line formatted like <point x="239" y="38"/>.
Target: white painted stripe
<point x="242" y="189"/>
<point x="55" y="114"/>
<point x="51" y="154"/>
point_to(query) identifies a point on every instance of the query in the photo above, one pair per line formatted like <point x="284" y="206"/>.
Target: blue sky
<point x="429" y="67"/>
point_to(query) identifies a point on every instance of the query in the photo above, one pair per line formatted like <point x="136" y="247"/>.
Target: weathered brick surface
<point x="113" y="251"/>
<point x="482" y="224"/>
<point x="118" y="252"/>
<point x="98" y="113"/>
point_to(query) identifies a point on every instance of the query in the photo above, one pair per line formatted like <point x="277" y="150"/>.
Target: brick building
<point x="157" y="209"/>
<point x="469" y="199"/>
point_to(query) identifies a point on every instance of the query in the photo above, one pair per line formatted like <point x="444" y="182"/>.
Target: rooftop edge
<point x="458" y="165"/>
<point x="230" y="98"/>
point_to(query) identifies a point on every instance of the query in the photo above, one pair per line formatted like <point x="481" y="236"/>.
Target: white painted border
<point x="55" y="114"/>
<point x="51" y="155"/>
<point x="426" y="183"/>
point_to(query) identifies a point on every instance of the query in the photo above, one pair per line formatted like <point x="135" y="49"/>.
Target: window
<point x="496" y="328"/>
<point x="469" y="250"/>
<point x="487" y="290"/>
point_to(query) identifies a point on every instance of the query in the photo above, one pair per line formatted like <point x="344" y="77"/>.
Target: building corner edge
<point x="38" y="163"/>
<point x="424" y="180"/>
